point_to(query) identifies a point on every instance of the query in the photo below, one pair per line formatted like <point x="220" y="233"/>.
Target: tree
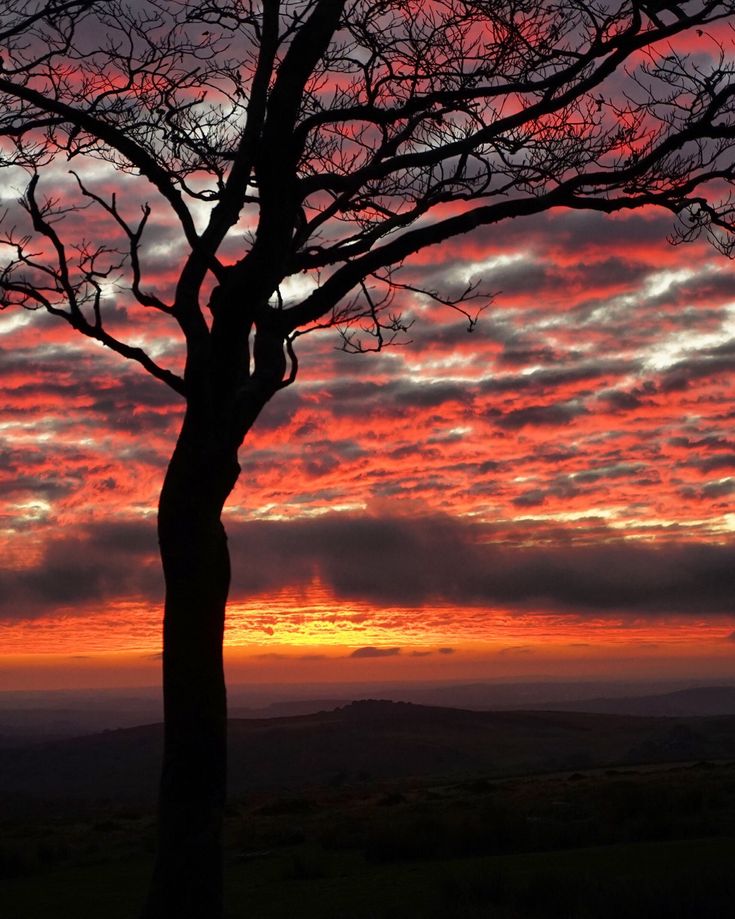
<point x="329" y="140"/>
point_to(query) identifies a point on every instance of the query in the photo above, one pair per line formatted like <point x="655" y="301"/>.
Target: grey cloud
<point x="280" y="410"/>
<point x="37" y="486"/>
<point x="551" y="377"/>
<point x="429" y="395"/>
<point x="701" y="365"/>
<point x="532" y="498"/>
<point x="410" y="561"/>
<point x="711" y="463"/>
<point x="401" y="561"/>
<point x="712" y="440"/>
<point x="575" y="231"/>
<point x="703" y="287"/>
<point x="371" y="651"/>
<point x="108" y="560"/>
<point x="348" y="396"/>
<point x="521" y="356"/>
<point x="719" y="489"/>
<point x="621" y="401"/>
<point x="617" y="471"/>
<point x="540" y="415"/>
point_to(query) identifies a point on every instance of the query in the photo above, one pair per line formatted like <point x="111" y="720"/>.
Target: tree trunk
<point x="187" y="879"/>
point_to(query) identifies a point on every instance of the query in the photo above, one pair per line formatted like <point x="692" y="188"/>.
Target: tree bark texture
<point x="187" y="880"/>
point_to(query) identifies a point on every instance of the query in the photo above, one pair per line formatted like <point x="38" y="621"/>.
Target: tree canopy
<point x="329" y="141"/>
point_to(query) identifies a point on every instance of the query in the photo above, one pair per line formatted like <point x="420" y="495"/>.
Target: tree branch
<point x="118" y="141"/>
<point x="76" y="293"/>
<point x="134" y="237"/>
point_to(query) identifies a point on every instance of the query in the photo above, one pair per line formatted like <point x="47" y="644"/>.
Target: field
<point x="653" y="842"/>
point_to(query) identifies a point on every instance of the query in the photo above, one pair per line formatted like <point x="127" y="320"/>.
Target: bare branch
<point x="33" y="284"/>
<point x="338" y="139"/>
<point x="114" y="138"/>
<point x="134" y="237"/>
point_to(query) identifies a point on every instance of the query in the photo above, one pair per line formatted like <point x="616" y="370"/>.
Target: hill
<point x="365" y="741"/>
<point x="697" y="701"/>
<point x="38" y="716"/>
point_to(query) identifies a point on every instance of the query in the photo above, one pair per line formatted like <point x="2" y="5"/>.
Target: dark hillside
<point x="368" y="740"/>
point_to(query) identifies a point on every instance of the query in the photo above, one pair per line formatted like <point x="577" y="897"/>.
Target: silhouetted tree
<point x="329" y="139"/>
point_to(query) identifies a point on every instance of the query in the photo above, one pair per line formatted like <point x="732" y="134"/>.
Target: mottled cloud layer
<point x="575" y="453"/>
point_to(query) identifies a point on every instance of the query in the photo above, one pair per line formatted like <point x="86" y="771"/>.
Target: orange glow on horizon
<point x="312" y="635"/>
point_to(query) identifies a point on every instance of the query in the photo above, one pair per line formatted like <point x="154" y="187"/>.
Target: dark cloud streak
<point x="403" y="561"/>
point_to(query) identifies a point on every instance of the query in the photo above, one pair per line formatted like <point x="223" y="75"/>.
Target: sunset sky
<point x="551" y="494"/>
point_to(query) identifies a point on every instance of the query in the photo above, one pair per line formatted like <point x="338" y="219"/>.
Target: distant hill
<point x="36" y="716"/>
<point x="557" y="695"/>
<point x="698" y="701"/>
<point x="288" y="708"/>
<point x="367" y="740"/>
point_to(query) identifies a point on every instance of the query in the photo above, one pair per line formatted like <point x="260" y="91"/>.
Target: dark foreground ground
<point x="633" y="842"/>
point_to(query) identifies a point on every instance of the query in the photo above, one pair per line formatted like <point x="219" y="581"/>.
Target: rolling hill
<point x="365" y="741"/>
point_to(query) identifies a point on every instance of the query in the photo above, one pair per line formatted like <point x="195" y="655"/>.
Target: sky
<point x="549" y="494"/>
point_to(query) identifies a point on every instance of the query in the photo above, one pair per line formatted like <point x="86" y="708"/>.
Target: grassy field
<point x="639" y="844"/>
